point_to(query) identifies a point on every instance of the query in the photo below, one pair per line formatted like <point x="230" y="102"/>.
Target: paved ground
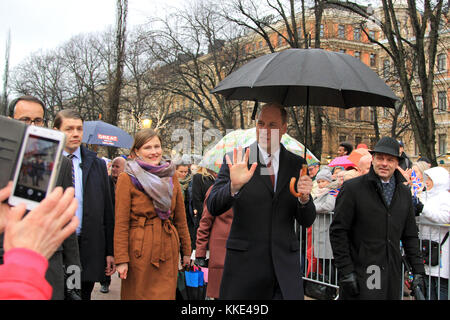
<point x="114" y="290"/>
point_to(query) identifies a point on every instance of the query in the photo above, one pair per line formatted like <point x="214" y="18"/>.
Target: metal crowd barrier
<point x="318" y="268"/>
<point x="437" y="284"/>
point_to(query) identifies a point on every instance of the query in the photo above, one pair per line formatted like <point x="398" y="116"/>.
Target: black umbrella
<point x="332" y="79"/>
<point x="304" y="77"/>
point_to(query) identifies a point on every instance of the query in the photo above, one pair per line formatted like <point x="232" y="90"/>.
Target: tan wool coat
<point x="148" y="244"/>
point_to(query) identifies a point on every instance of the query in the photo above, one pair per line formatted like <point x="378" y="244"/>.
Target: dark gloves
<point x="418" y="206"/>
<point x="418" y="286"/>
<point x="418" y="281"/>
<point x="201" y="262"/>
<point x="349" y="283"/>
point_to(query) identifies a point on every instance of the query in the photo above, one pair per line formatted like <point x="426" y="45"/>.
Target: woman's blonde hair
<point x="205" y="172"/>
<point x="141" y="137"/>
<point x="421" y="165"/>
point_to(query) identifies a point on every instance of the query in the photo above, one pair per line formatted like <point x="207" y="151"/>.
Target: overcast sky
<point x="46" y="24"/>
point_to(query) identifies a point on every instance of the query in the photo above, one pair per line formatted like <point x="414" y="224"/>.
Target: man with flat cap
<point x="373" y="215"/>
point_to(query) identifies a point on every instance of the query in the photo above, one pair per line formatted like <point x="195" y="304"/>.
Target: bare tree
<point x="287" y="19"/>
<point x="4" y="99"/>
<point x="42" y="75"/>
<point x="115" y="86"/>
<point x="196" y="49"/>
<point x="412" y="58"/>
<point x="140" y="95"/>
<point x="117" y="81"/>
<point x="87" y="75"/>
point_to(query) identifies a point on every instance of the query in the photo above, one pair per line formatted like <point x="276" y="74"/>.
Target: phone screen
<point x="36" y="168"/>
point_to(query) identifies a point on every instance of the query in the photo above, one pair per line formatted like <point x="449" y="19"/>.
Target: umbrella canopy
<point x="341" y="162"/>
<point x="300" y="77"/>
<point x="105" y="134"/>
<point x="213" y="158"/>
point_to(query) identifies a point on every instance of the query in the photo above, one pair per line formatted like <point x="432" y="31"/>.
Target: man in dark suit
<point x="31" y="110"/>
<point x="117" y="167"/>
<point x="263" y="257"/>
<point x="373" y="219"/>
<point x="95" y="210"/>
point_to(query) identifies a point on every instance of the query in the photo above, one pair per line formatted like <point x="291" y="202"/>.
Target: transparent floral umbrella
<point x="213" y="158"/>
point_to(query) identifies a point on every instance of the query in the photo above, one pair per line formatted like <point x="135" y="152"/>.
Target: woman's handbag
<point x="430" y="251"/>
<point x="195" y="284"/>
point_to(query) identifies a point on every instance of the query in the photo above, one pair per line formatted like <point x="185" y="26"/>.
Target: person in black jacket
<point x="405" y="162"/>
<point x="263" y="257"/>
<point x="31" y="110"/>
<point x="201" y="181"/>
<point x="117" y="167"/>
<point x="92" y="189"/>
<point x="373" y="213"/>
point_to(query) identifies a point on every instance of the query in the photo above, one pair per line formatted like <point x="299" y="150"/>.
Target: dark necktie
<point x="272" y="174"/>
<point x="71" y="156"/>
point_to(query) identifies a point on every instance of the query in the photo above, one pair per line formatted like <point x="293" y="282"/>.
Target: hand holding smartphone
<point x="37" y="166"/>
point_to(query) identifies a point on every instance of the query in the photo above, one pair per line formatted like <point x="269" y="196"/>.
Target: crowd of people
<point x="143" y="215"/>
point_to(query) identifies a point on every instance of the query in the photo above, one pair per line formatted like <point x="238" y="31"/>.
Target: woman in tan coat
<point x="150" y="223"/>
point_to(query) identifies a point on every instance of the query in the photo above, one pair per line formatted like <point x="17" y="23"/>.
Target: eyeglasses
<point x="36" y="121"/>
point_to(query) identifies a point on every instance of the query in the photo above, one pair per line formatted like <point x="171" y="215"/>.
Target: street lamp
<point x="147" y="123"/>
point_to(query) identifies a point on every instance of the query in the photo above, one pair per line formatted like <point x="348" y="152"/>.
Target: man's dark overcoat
<point x="97" y="228"/>
<point x="365" y="235"/>
<point x="262" y="247"/>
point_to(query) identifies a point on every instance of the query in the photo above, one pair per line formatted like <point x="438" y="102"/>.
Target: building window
<point x="419" y="103"/>
<point x="386" y="112"/>
<point x="358" y="140"/>
<point x="373" y="61"/>
<point x="358" y="55"/>
<point x="322" y="30"/>
<point x="386" y="68"/>
<point x="260" y="44"/>
<point x="372" y="114"/>
<point x="280" y="40"/>
<point x="441" y="62"/>
<point x="342" y="50"/>
<point x="358" y="114"/>
<point x="372" y="34"/>
<point x="341" y="114"/>
<point x="442" y="144"/>
<point x="357" y="34"/>
<point x="442" y="101"/>
<point x="341" y="31"/>
<point x="342" y="138"/>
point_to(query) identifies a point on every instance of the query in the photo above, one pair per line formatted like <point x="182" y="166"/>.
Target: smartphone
<point x="37" y="166"/>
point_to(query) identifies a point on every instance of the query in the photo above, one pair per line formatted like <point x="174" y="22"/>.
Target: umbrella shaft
<point x="306" y="120"/>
